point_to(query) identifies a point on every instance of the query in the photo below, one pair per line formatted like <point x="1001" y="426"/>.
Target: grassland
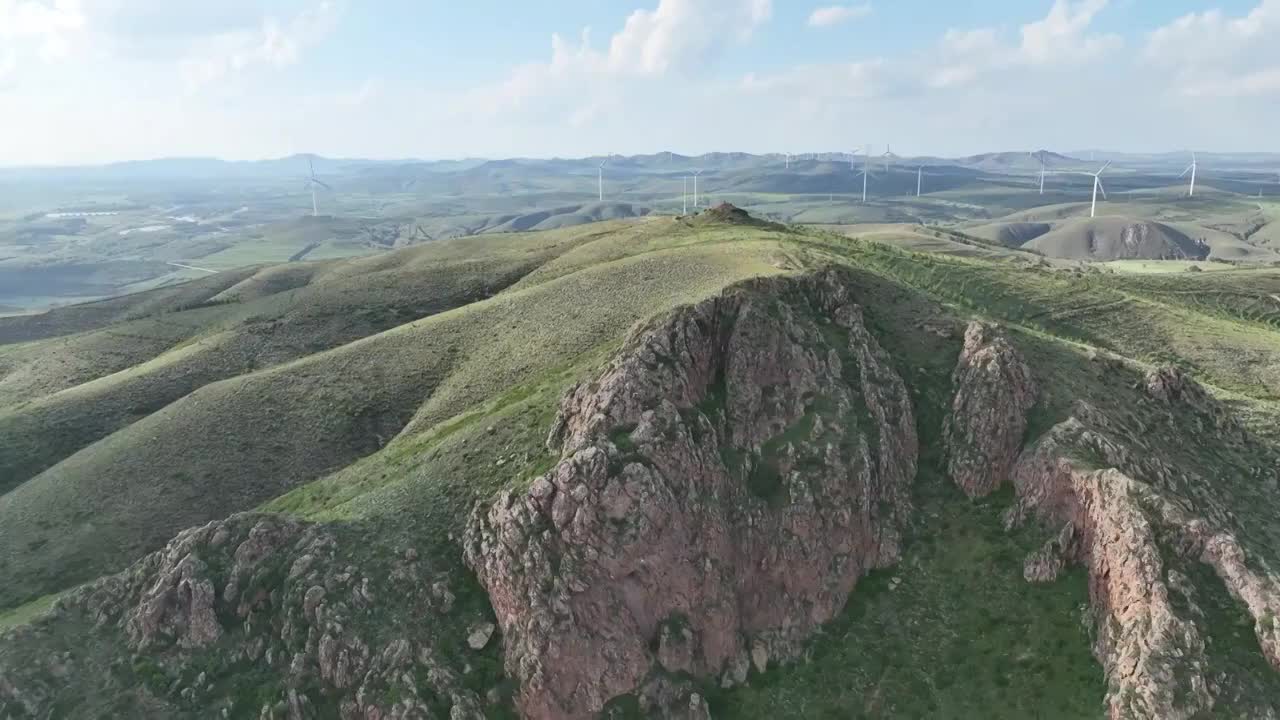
<point x="387" y="393"/>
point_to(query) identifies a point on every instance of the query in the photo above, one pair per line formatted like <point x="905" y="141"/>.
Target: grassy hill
<point x="374" y="401"/>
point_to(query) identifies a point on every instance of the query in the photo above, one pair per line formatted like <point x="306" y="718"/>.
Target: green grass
<point x="1145" y="267"/>
<point x="961" y="635"/>
<point x="23" y="614"/>
<point x="385" y="395"/>
<point x="222" y="445"/>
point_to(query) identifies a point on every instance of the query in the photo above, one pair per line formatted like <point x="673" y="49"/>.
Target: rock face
<point x="1132" y="527"/>
<point x="994" y="391"/>
<point x="723" y="485"/>
<point x="258" y="597"/>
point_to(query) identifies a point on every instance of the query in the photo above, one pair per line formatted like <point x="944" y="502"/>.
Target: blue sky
<point x="86" y="81"/>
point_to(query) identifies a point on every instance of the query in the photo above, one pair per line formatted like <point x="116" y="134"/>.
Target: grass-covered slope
<point x="387" y="432"/>
<point x="180" y="447"/>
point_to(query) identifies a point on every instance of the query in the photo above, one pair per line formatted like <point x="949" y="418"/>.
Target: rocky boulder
<point x="994" y="391"/>
<point x="723" y="485"/>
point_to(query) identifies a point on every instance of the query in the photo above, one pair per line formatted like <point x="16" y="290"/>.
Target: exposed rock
<point x="286" y="613"/>
<point x="478" y="635"/>
<point x="994" y="391"/>
<point x="1175" y="388"/>
<point x="679" y="494"/>
<point x="178" y="606"/>
<point x="676" y="647"/>
<point x="1045" y="564"/>
<point x="1119" y="527"/>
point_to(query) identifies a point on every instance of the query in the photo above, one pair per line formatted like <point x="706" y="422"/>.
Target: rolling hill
<point x="768" y="470"/>
<point x="1109" y="238"/>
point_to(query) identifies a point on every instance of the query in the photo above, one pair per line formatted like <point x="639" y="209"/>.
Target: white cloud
<point x="1062" y="36"/>
<point x="836" y="14"/>
<point x="680" y="32"/>
<point x="579" y="82"/>
<point x="817" y="83"/>
<point x="8" y="63"/>
<point x="1249" y="84"/>
<point x="1060" y="39"/>
<point x="273" y="44"/>
<point x="46" y="28"/>
<point x="1211" y="54"/>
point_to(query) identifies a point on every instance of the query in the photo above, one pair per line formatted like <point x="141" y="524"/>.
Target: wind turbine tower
<point x="312" y="183"/>
<point x="696" y="173"/>
<point x="788" y="160"/>
<point x="600" y="178"/>
<point x="919" y="179"/>
<point x="866" y="170"/>
<point x="1097" y="185"/>
<point x="1191" y="191"/>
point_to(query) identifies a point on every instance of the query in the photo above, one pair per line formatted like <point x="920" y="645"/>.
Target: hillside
<point x="767" y="470"/>
<point x="1111" y="238"/>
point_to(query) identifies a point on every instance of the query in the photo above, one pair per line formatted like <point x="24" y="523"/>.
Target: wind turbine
<point x="1040" y="157"/>
<point x="600" y="178"/>
<point x="919" y="179"/>
<point x="866" y="171"/>
<point x="887" y="155"/>
<point x="1191" y="191"/>
<point x="1097" y="185"/>
<point x="788" y="160"/>
<point x="696" y="173"/>
<point x="312" y="182"/>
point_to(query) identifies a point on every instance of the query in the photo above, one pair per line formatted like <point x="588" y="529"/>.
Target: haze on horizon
<point x="93" y="81"/>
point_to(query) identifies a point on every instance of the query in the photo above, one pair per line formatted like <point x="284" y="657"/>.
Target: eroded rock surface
<point x="994" y="390"/>
<point x="259" y="598"/>
<point x="1125" y="515"/>
<point x="723" y="485"/>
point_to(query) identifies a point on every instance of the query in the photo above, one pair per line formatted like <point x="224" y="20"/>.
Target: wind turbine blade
<point x="1184" y="172"/>
<point x="322" y="184"/>
<point x="311" y="166"/>
<point x="1102" y="189"/>
<point x="1105" y="165"/>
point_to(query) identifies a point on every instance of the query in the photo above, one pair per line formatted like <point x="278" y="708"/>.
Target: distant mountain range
<point x="296" y="165"/>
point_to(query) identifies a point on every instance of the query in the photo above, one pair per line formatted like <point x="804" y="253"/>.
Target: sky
<point x="94" y="81"/>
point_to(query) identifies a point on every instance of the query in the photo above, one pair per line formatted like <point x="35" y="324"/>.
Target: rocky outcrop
<point x="994" y="391"/>
<point x="1153" y="656"/>
<point x="1124" y="514"/>
<point x="254" y="598"/>
<point x="723" y="485"/>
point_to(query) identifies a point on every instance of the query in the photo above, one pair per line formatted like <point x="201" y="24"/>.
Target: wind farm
<point x="1225" y="203"/>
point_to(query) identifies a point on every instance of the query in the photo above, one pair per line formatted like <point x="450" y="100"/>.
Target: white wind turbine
<point x="600" y="178"/>
<point x="866" y="172"/>
<point x="1191" y="191"/>
<point x="919" y="179"/>
<point x="888" y="155"/>
<point x="1040" y="157"/>
<point x="1097" y="185"/>
<point x="788" y="160"/>
<point x="696" y="173"/>
<point x="312" y="183"/>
